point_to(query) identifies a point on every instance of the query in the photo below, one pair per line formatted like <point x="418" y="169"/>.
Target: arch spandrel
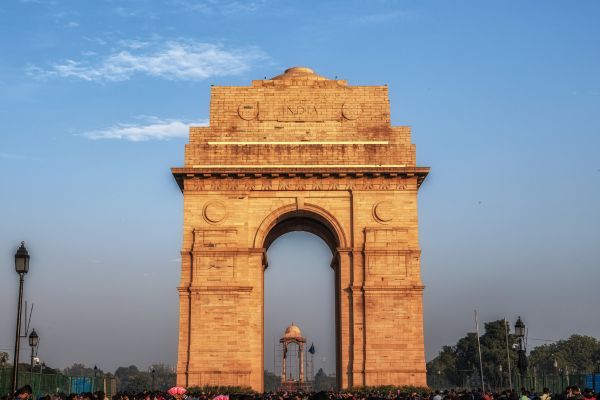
<point x="308" y="212"/>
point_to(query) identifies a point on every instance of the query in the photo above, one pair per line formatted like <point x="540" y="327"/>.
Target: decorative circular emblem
<point x="214" y="212"/>
<point x="382" y="211"/>
<point x="248" y="111"/>
<point x="351" y="111"/>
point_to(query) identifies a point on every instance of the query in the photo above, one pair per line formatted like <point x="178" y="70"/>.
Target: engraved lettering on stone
<point x="300" y="112"/>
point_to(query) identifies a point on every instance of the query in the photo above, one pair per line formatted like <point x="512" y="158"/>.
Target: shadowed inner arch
<point x="306" y="222"/>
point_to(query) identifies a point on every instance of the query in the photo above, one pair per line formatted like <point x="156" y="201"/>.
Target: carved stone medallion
<point x="214" y="212"/>
<point x="382" y="212"/>
<point x="351" y="111"/>
<point x="248" y="111"/>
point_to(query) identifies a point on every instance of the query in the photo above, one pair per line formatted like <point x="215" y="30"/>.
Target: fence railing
<point x="556" y="383"/>
<point x="43" y="383"/>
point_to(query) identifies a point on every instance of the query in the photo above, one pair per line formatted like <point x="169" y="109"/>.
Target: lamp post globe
<point x="21" y="267"/>
<point x="33" y="338"/>
<point x="520" y="328"/>
<point x="22" y="260"/>
<point x="33" y="342"/>
<point x="522" y="361"/>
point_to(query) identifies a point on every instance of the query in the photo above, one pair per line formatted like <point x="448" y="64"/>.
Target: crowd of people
<point x="571" y="393"/>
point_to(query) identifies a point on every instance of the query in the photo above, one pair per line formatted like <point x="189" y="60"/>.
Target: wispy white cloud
<point x="18" y="157"/>
<point x="173" y="60"/>
<point x="380" y="18"/>
<point x="151" y="128"/>
<point x="211" y="7"/>
<point x="134" y="44"/>
<point x="95" y="40"/>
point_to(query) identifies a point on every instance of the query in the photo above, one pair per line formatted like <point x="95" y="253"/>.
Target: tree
<point x="132" y="379"/>
<point x="577" y="354"/>
<point x="445" y="364"/>
<point x="128" y="378"/>
<point x="460" y="362"/>
<point x="164" y="376"/>
<point x="78" y="369"/>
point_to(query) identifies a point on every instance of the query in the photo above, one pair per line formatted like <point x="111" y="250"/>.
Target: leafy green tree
<point x="127" y="378"/>
<point x="577" y="354"/>
<point x="460" y="362"/>
<point x="445" y="365"/>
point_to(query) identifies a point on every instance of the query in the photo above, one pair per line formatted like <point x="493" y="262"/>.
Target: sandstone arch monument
<point x="300" y="152"/>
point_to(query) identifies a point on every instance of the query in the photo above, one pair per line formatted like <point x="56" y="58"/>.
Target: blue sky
<point x="96" y="97"/>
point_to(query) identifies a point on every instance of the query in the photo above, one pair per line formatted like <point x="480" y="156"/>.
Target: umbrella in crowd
<point x="176" y="391"/>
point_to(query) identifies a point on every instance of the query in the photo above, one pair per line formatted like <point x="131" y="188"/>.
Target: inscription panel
<point x="215" y="238"/>
<point x="378" y="238"/>
<point x="215" y="268"/>
<point x="386" y="265"/>
<point x="302" y="111"/>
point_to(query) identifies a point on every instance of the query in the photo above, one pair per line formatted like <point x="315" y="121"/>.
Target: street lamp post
<point x="95" y="374"/>
<point x="500" y="369"/>
<point x="522" y="361"/>
<point x="22" y="267"/>
<point x="33" y="342"/>
<point x="153" y="372"/>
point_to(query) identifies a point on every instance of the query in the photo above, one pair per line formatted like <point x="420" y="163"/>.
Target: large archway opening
<point x="300" y="287"/>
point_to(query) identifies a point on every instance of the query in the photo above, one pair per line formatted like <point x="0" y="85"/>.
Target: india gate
<point x="300" y="152"/>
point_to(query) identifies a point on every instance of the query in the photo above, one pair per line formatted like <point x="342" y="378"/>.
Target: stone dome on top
<point x="300" y="73"/>
<point x="292" y="332"/>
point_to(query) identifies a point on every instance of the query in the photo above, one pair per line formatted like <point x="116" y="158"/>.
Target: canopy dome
<point x="292" y="332"/>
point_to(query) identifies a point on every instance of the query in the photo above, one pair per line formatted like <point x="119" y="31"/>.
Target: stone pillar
<point x="184" y="329"/>
<point x="283" y="367"/>
<point x="344" y="319"/>
<point x="357" y="316"/>
<point x="301" y="361"/>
